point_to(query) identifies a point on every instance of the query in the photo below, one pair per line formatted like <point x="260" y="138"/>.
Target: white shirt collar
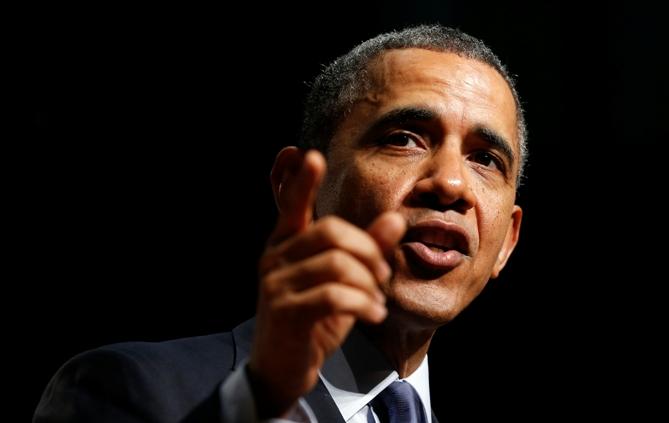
<point x="349" y="403"/>
<point x="354" y="383"/>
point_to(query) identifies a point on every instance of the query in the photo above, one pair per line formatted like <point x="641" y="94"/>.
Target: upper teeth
<point x="438" y="239"/>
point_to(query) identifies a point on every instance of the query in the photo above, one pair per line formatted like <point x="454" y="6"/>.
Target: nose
<point x="444" y="184"/>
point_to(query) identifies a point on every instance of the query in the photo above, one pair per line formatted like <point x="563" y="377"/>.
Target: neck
<point x="403" y="342"/>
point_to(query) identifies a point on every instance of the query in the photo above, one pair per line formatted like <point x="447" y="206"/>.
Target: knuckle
<point x="338" y="262"/>
<point x="329" y="227"/>
<point x="330" y="297"/>
<point x="346" y="267"/>
<point x="271" y="259"/>
<point x="277" y="308"/>
<point x="269" y="284"/>
<point x="266" y="263"/>
<point x="287" y="310"/>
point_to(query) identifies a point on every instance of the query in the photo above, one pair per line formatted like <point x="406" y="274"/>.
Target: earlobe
<point x="510" y="241"/>
<point x="286" y="161"/>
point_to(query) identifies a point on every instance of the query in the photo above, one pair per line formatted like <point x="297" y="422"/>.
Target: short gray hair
<point x="345" y="80"/>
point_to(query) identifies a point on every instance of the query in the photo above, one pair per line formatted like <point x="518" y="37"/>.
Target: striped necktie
<point x="398" y="403"/>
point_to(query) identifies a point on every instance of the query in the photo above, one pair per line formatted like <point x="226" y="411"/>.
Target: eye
<point x="488" y="160"/>
<point x="400" y="139"/>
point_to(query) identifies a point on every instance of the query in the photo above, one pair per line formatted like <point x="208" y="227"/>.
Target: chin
<point x="424" y="304"/>
<point x="430" y="298"/>
<point x="431" y="301"/>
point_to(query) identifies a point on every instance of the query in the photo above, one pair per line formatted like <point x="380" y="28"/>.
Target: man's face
<point x="434" y="139"/>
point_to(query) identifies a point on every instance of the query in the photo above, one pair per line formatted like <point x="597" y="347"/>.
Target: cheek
<point x="494" y="220"/>
<point x="367" y="189"/>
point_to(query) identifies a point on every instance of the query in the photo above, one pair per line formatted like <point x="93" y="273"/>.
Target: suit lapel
<point x="242" y="337"/>
<point x="323" y="405"/>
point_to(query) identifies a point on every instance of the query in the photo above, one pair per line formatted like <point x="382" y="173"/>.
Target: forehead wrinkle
<point x="460" y="80"/>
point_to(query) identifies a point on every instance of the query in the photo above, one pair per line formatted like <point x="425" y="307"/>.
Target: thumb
<point x="300" y="179"/>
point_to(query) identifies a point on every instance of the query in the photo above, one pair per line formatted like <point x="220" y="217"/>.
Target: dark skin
<point x="416" y="212"/>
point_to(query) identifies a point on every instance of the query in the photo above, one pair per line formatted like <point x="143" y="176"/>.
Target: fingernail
<point x="381" y="312"/>
<point x="380" y="298"/>
<point x="305" y="169"/>
<point x="383" y="272"/>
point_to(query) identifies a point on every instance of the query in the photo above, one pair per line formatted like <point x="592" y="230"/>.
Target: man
<point x="423" y="139"/>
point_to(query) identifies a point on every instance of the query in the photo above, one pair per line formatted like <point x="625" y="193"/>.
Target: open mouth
<point x="436" y="245"/>
<point x="439" y="237"/>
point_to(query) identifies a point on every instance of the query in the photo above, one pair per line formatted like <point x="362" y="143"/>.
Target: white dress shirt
<point x="354" y="407"/>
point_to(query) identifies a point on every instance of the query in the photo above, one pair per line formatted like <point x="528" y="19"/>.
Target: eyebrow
<point x="405" y="115"/>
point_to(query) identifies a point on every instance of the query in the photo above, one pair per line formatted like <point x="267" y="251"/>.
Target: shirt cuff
<point x="238" y="404"/>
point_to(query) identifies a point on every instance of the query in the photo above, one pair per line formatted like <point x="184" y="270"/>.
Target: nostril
<point x="431" y="200"/>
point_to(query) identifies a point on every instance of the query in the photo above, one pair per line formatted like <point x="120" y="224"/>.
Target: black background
<point x="142" y="198"/>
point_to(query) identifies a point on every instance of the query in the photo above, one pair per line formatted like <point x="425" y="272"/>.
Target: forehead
<point x="463" y="91"/>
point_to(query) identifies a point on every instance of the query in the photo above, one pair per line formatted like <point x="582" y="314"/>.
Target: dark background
<point x="143" y="202"/>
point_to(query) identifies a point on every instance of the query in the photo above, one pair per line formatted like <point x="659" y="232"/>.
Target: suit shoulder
<point x="151" y="379"/>
<point x="198" y="363"/>
<point x="189" y="352"/>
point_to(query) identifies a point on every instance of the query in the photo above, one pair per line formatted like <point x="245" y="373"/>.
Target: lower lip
<point x="439" y="260"/>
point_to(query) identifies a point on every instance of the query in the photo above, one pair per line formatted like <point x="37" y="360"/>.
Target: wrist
<point x="267" y="403"/>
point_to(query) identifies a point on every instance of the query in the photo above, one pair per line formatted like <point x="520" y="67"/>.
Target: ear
<point x="510" y="241"/>
<point x="287" y="161"/>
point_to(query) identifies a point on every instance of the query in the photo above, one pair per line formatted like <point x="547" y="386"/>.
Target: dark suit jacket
<point x="173" y="381"/>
